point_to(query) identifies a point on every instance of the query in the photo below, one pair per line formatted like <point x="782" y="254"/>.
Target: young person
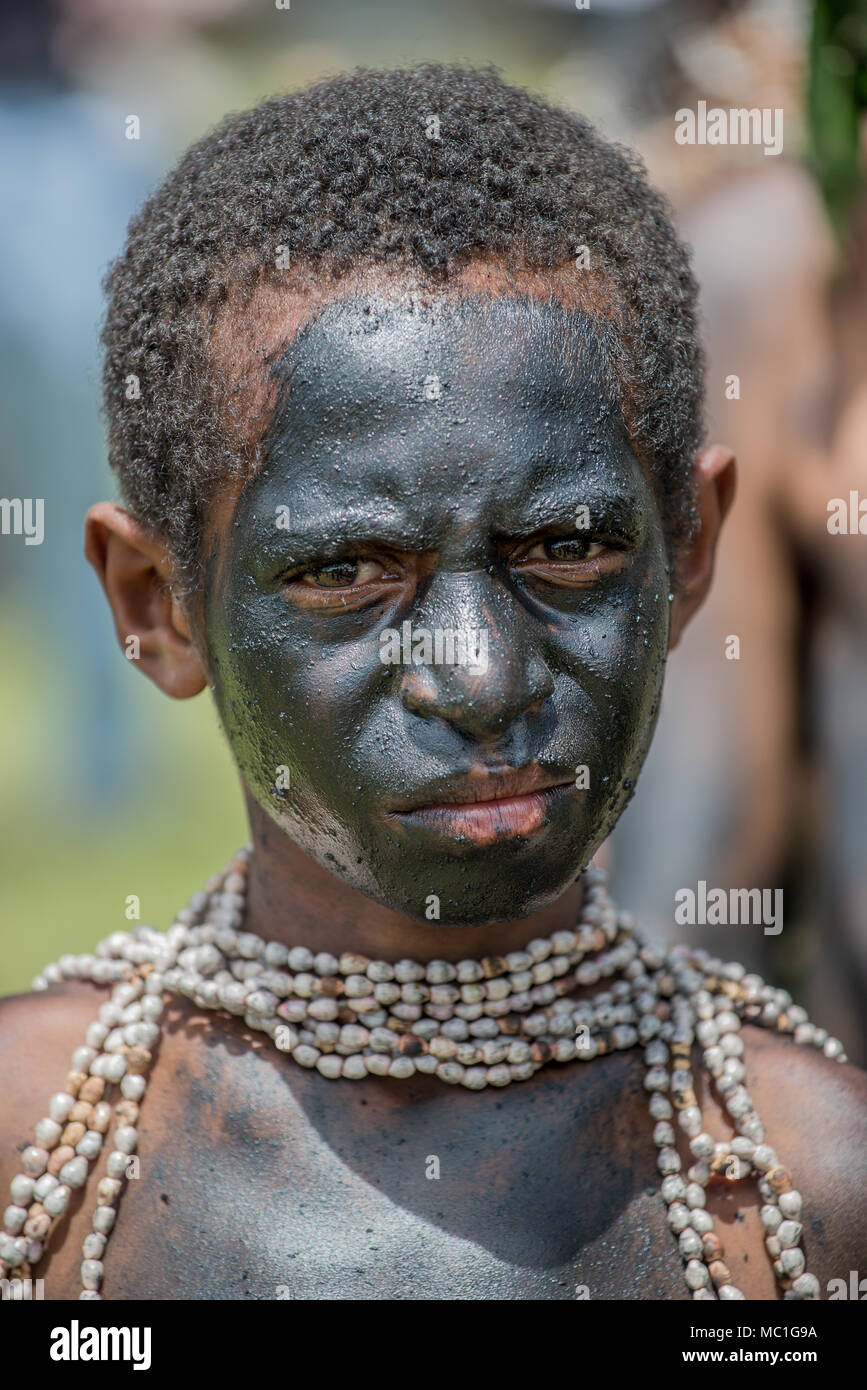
<point x="404" y="396"/>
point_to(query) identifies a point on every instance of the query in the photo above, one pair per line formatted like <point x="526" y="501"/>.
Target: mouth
<point x="490" y="807"/>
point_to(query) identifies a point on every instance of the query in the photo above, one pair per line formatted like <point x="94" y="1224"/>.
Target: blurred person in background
<point x="69" y="181"/>
<point x="778" y="805"/>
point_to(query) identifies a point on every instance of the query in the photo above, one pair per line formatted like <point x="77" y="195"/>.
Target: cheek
<point x="288" y="698"/>
<point x="612" y="653"/>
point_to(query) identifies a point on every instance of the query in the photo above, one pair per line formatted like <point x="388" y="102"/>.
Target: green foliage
<point x="837" y="101"/>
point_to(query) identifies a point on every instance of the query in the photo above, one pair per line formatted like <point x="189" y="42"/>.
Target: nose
<point x="484" y="670"/>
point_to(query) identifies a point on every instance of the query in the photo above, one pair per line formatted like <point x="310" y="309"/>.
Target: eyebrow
<point x="382" y="520"/>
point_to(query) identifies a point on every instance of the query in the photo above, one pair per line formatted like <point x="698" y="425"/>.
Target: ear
<point x="714" y="473"/>
<point x="135" y="571"/>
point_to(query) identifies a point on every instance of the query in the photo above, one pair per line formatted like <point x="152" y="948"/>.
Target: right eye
<point x="343" y="583"/>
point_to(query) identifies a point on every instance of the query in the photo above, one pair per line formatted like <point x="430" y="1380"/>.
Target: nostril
<point x="483" y="706"/>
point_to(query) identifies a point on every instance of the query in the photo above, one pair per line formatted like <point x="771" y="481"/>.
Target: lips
<point x="488" y="806"/>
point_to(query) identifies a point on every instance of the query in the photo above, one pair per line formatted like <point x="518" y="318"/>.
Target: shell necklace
<point x="478" y="1023"/>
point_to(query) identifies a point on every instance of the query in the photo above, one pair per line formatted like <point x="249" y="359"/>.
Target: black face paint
<point x="419" y="457"/>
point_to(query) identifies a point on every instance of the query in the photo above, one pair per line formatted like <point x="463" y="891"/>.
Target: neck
<point x="293" y="900"/>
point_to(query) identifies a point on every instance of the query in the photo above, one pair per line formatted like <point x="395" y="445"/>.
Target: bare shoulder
<point x="819" y="1104"/>
<point x="38" y="1034"/>
<point x="814" y="1111"/>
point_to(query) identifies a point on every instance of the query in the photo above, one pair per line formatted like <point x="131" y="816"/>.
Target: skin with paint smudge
<point x="428" y="465"/>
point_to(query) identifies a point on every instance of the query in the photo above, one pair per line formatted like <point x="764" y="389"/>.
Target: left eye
<point x="343" y="574"/>
<point x="564" y="550"/>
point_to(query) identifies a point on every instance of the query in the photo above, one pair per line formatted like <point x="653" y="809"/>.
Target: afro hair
<point x="417" y="170"/>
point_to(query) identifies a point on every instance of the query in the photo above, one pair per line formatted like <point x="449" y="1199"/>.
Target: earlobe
<point x="135" y="571"/>
<point x="715" y="476"/>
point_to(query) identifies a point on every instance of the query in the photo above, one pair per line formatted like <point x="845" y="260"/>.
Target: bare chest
<point x="263" y="1183"/>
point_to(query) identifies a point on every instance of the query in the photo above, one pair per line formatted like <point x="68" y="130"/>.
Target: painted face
<point x="439" y="617"/>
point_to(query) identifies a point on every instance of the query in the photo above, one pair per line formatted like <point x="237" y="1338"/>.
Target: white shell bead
<point x="789" y="1233"/>
<point x="673" y="1189"/>
<point x="91" y="1273"/>
<point x="103" y="1220"/>
<point x="696" y="1275"/>
<point x="790" y="1203"/>
<point x="116" y="1164"/>
<point x="34" y="1161"/>
<point x="43" y="1186"/>
<point x="14" y="1218"/>
<point x="354" y="1068"/>
<point x="689" y="1243"/>
<point x="792" y="1261"/>
<point x="89" y="1144"/>
<point x="47" y="1133"/>
<point x="56" y="1200"/>
<point x="60" y="1105"/>
<point x="73" y="1173"/>
<point x="475" y="1078"/>
<point x="21" y="1188"/>
<point x="93" y="1246"/>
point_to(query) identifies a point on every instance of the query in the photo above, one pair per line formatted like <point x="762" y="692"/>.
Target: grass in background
<point x="64" y="876"/>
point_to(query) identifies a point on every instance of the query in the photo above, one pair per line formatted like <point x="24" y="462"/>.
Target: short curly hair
<point x="413" y="170"/>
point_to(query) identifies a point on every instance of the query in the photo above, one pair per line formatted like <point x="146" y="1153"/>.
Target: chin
<point x="478" y="893"/>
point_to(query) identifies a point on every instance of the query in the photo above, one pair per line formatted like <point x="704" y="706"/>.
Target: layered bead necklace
<point x="475" y="1024"/>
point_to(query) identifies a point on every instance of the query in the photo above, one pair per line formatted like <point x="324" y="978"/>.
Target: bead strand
<point x="473" y="1023"/>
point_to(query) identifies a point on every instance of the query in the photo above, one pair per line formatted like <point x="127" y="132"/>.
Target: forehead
<point x="366" y="363"/>
<point x="405" y="410"/>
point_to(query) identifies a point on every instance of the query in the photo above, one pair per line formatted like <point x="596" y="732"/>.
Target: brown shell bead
<point x="73" y="1133"/>
<point x="126" y="1111"/>
<point x="330" y="985"/>
<point x="493" y="966"/>
<point x="37" y="1223"/>
<point x="411" y="1046"/>
<point x="81" y="1112"/>
<point x="138" y="1059"/>
<point x="510" y="1024"/>
<point x="681" y="1099"/>
<point x="719" y="1273"/>
<point x="540" y="1051"/>
<point x="58" y="1157"/>
<point x="93" y="1090"/>
<point x="711" y="1247"/>
<point x="779" y="1179"/>
<point x="352" y="964"/>
<point x="74" y="1082"/>
<point x="100" y="1117"/>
